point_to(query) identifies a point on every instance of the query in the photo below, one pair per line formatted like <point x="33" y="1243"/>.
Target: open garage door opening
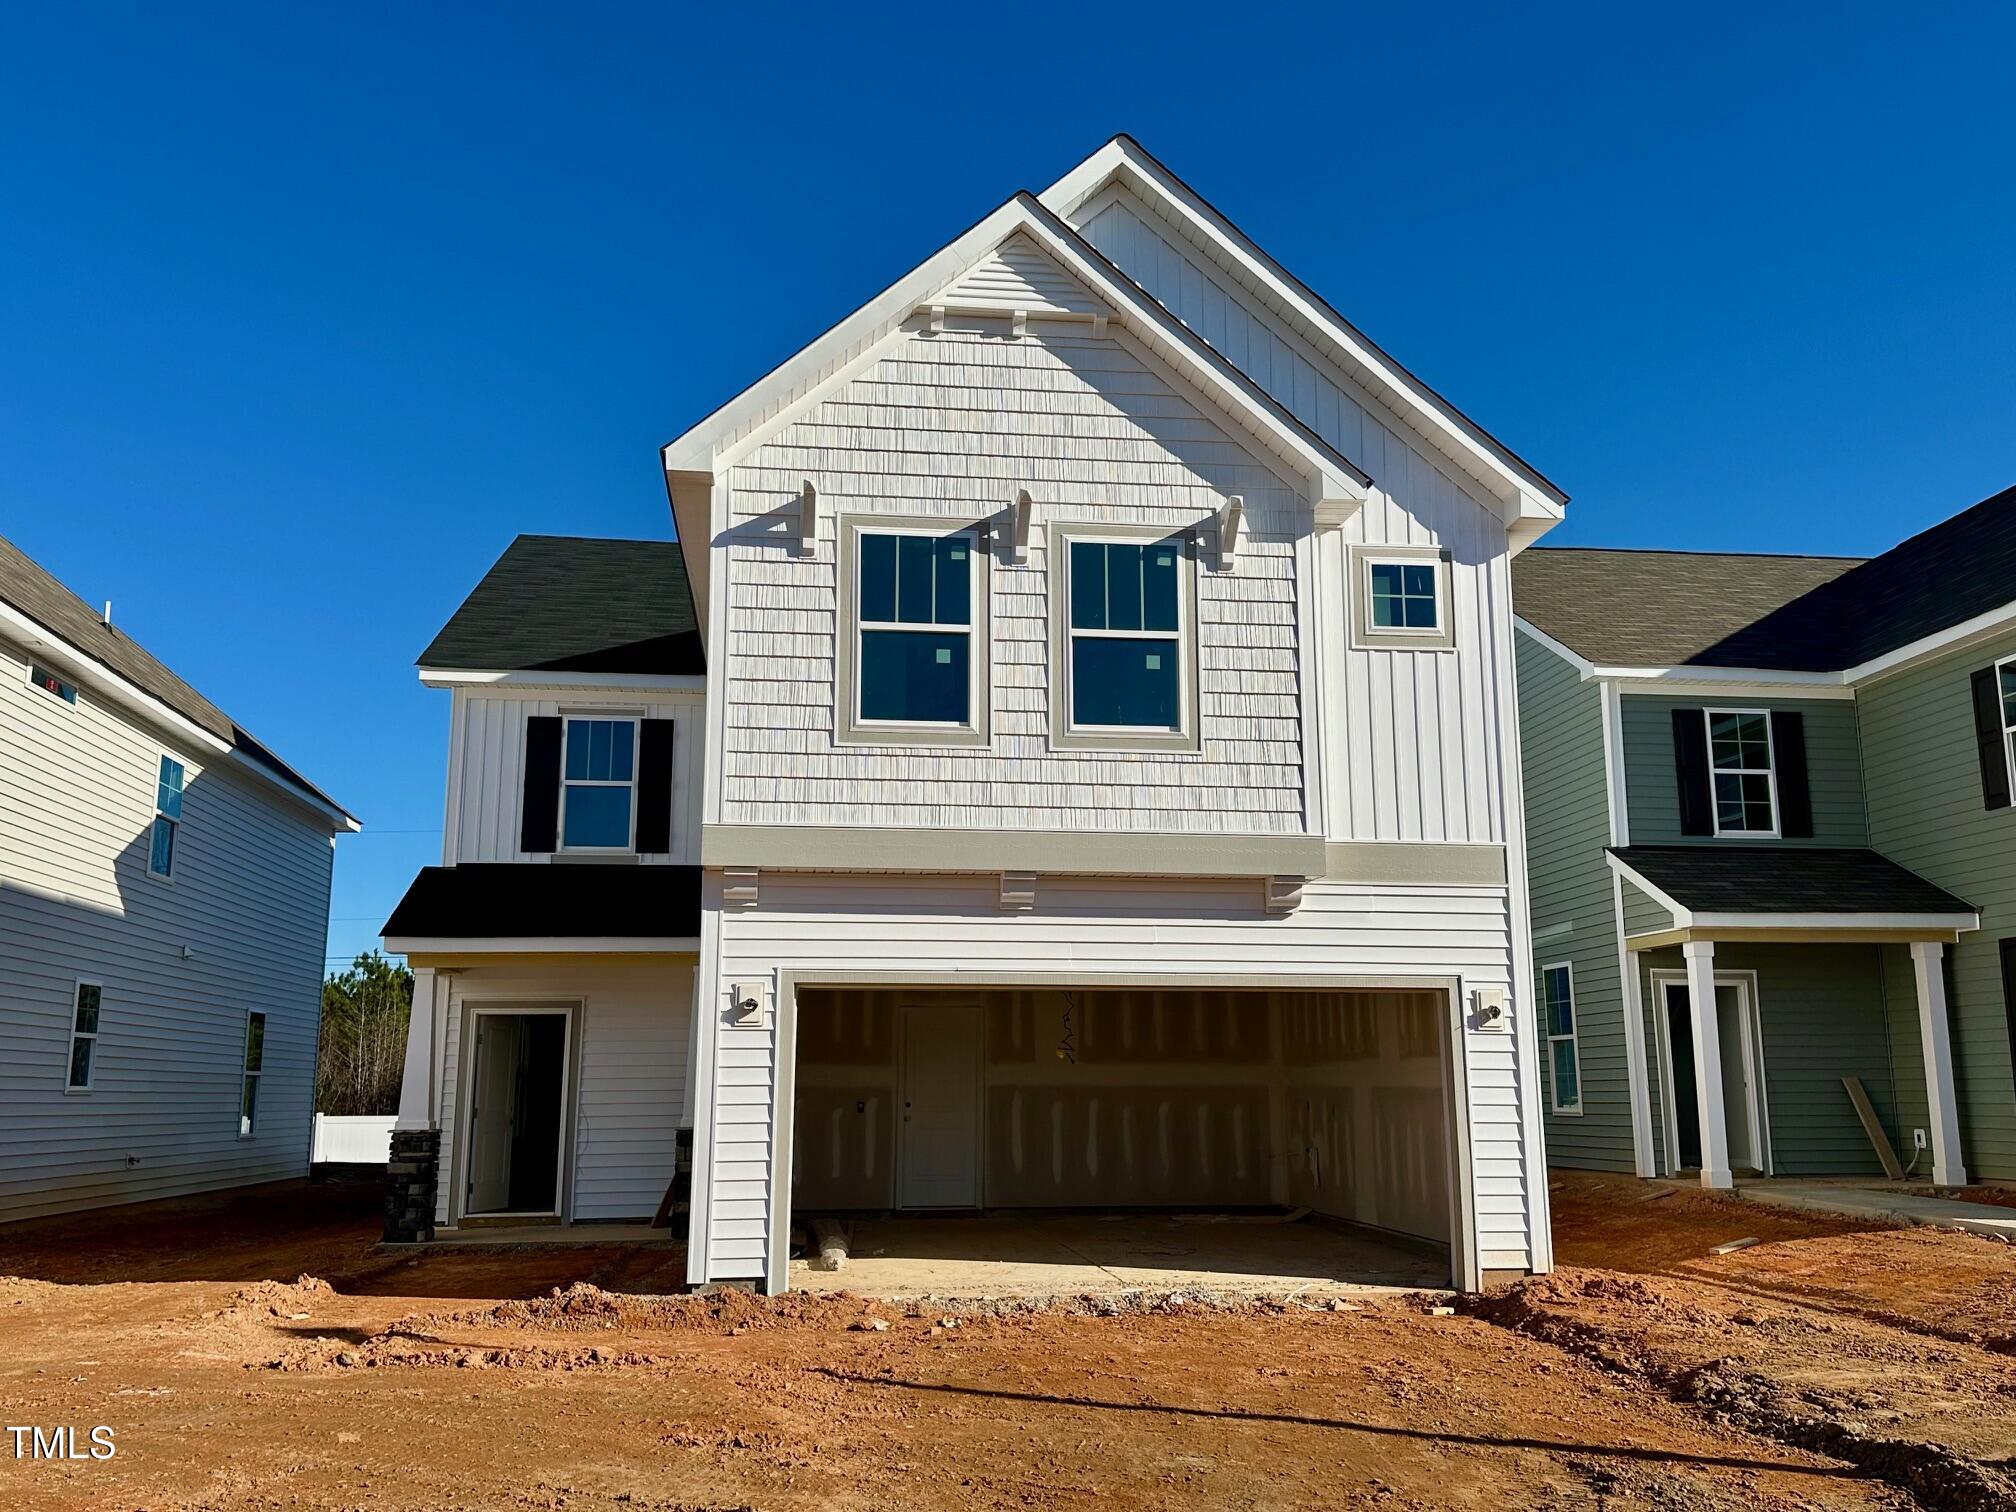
<point x="1249" y="1135"/>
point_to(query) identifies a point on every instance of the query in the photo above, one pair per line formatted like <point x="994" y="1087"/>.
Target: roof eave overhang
<point x="435" y="949"/>
<point x="533" y="677"/>
<point x="1526" y="496"/>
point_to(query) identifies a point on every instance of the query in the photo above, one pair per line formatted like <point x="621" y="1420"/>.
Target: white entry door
<point x="940" y="1143"/>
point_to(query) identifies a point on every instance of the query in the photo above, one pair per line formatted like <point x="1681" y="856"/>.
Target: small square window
<point x="1404" y="596"/>
<point x="1400" y="599"/>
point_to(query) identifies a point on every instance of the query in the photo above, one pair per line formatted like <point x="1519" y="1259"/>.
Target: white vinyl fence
<point x="363" y="1140"/>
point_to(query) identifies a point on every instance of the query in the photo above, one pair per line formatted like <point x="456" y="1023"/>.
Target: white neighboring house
<point x="1104" y="789"/>
<point x="164" y="909"/>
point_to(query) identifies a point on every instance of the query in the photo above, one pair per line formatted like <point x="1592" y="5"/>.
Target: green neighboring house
<point x="1771" y="849"/>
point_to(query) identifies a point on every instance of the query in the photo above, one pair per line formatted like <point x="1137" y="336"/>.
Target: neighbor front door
<point x="939" y="1165"/>
<point x="1738" y="1077"/>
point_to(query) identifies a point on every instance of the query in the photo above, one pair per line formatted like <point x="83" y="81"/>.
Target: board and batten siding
<point x="248" y="903"/>
<point x="1573" y="903"/>
<point x="486" y="764"/>
<point x="632" y="1036"/>
<point x="949" y="427"/>
<point x="1833" y="768"/>
<point x="1926" y="812"/>
<point x="1084" y="931"/>
<point x="1411" y="739"/>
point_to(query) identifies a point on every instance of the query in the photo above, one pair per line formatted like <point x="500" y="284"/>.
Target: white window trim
<point x="607" y="716"/>
<point x="1436" y="631"/>
<point x="2007" y="664"/>
<point x="1574" y="1038"/>
<point x="1770" y="772"/>
<point x="70" y="1045"/>
<point x="975" y="546"/>
<point x="1186" y="656"/>
<point x="245" y="1074"/>
<point x="174" y="824"/>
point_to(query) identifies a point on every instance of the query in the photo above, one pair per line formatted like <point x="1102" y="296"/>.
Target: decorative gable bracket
<point x="808" y="519"/>
<point x="1231" y="528"/>
<point x="1021" y="518"/>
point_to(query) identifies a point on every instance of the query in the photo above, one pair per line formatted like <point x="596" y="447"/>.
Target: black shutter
<point x="1795" y="793"/>
<point x="2008" y="952"/>
<point x="654" y="788"/>
<point x="1690" y="766"/>
<point x="539" y="828"/>
<point x="1990" y="741"/>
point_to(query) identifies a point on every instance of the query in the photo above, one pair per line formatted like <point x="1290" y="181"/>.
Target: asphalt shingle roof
<point x="1803" y="879"/>
<point x="35" y="592"/>
<point x="1783" y="613"/>
<point x="511" y="900"/>
<point x="576" y="604"/>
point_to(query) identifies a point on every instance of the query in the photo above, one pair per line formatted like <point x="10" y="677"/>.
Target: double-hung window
<point x="1126" y="636"/>
<point x="167" y="818"/>
<point x="598" y="788"/>
<point x="2005" y="675"/>
<point x="1739" y="763"/>
<point x="915" y="605"/>
<point x="248" y="1086"/>
<point x="84" y="1035"/>
<point x="1564" y="1055"/>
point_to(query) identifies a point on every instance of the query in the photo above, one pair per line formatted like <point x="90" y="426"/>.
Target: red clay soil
<point x="233" y="1379"/>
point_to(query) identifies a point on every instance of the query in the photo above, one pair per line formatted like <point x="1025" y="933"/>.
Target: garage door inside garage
<point x="939" y="1101"/>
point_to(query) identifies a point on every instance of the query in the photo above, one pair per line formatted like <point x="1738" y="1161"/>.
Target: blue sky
<point x="304" y="312"/>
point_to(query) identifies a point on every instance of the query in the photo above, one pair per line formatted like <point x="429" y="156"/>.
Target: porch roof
<point x="514" y="907"/>
<point x="1789" y="889"/>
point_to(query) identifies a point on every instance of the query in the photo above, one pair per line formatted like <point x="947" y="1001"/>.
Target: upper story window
<point x="1123" y="639"/>
<point x="1739" y="762"/>
<point x="49" y="682"/>
<point x="167" y="818"/>
<point x="1400" y="599"/>
<point x="598" y="789"/>
<point x="915" y="598"/>
<point x="2006" y="676"/>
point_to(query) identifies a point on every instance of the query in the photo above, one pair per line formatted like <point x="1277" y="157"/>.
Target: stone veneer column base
<point x="412" y="1182"/>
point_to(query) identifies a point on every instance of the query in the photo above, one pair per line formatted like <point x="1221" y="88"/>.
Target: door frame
<point x="504" y="1005"/>
<point x="896" y="1167"/>
<point x="1465" y="1251"/>
<point x="1745" y="983"/>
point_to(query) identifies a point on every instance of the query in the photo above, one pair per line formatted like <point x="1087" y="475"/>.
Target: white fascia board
<point x="1961" y="922"/>
<point x="1722" y="681"/>
<point x="1682" y="918"/>
<point x="1575" y="659"/>
<point x="416" y="945"/>
<point x="1949" y="639"/>
<point x="663" y="682"/>
<point x="89" y="672"/>
<point x="760" y="410"/>
<point x="1525" y="495"/>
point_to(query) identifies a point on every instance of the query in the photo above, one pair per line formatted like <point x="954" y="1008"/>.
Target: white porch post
<point x="1927" y="962"/>
<point x="1700" y="956"/>
<point x="416" y="1081"/>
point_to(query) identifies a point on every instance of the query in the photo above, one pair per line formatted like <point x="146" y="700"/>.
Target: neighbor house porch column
<point x="1700" y="956"/>
<point x="1928" y="964"/>
<point x="413" y="1175"/>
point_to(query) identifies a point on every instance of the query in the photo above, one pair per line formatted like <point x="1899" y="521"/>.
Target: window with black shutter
<point x="1995" y="732"/>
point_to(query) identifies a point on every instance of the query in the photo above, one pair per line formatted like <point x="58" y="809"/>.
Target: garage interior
<point x="1025" y="1140"/>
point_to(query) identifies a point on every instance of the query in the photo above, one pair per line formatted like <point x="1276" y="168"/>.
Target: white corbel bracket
<point x="1284" y="894"/>
<point x="1022" y="517"/>
<point x="1018" y="324"/>
<point x="738" y="886"/>
<point x="1018" y="892"/>
<point x="1231" y="529"/>
<point x="808" y="519"/>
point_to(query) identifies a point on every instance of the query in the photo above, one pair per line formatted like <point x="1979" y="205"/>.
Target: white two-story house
<point x="164" y="910"/>
<point x="1091" y="780"/>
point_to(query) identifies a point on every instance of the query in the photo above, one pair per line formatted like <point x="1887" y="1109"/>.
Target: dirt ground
<point x="255" y="1351"/>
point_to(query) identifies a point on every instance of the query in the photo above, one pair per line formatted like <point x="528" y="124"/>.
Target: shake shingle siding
<point x="1925" y="811"/>
<point x="1567" y="825"/>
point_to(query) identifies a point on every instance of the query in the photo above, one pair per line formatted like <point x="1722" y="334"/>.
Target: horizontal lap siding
<point x="632" y="1034"/>
<point x="1411" y="736"/>
<point x="1833" y="768"/>
<point x="486" y="765"/>
<point x="1926" y="812"/>
<point x="249" y="904"/>
<point x="1083" y="930"/>
<point x="1574" y="912"/>
<point x="952" y="426"/>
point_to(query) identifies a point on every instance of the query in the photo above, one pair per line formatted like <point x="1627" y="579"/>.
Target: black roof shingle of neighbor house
<point x="1778" y="613"/>
<point x="508" y="900"/>
<point x="1803" y="879"/>
<point x="35" y="592"/>
<point x="576" y="604"/>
